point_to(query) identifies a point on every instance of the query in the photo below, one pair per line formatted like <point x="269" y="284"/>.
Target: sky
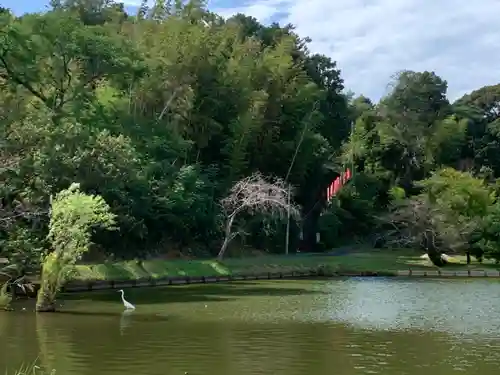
<point x="372" y="40"/>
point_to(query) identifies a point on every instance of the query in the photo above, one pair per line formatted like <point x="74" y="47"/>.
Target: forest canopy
<point x="161" y="112"/>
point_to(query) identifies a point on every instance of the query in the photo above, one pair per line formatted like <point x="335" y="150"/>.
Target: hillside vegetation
<point x="161" y="112"/>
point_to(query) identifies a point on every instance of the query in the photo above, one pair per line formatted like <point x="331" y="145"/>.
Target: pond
<point x="343" y="327"/>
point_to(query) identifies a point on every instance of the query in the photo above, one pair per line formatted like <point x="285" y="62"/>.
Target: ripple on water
<point x="348" y="327"/>
<point x="441" y="305"/>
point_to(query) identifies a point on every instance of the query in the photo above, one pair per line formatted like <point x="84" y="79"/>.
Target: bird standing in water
<point x="126" y="303"/>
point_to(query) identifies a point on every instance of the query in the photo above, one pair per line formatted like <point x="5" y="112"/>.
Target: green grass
<point x="362" y="261"/>
<point x="32" y="369"/>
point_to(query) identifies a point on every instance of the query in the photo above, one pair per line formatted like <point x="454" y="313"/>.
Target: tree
<point x="415" y="223"/>
<point x="396" y="137"/>
<point x="255" y="194"/>
<point x="488" y="244"/>
<point x="442" y="218"/>
<point x="480" y="111"/>
<point x="73" y="218"/>
<point x="58" y="59"/>
<point x="160" y="116"/>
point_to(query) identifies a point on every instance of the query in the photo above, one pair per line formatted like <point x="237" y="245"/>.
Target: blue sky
<point x="373" y="39"/>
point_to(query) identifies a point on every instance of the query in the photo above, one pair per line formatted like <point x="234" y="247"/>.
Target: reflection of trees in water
<point x="79" y="343"/>
<point x="55" y="346"/>
<point x="288" y="334"/>
<point x="281" y="349"/>
<point x="150" y="344"/>
<point x="18" y="345"/>
<point x="3" y="325"/>
<point x="73" y="342"/>
<point x="411" y="352"/>
<point x="320" y="348"/>
<point x="396" y="352"/>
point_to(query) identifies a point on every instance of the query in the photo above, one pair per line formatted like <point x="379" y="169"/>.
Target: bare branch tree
<point x="412" y="223"/>
<point x="14" y="208"/>
<point x="255" y="194"/>
<point x="420" y="224"/>
<point x="17" y="209"/>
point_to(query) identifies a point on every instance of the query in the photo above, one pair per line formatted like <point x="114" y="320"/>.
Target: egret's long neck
<point x="123" y="296"/>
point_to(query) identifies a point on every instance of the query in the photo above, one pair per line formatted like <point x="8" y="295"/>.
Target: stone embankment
<point x="79" y="286"/>
<point x="450" y="273"/>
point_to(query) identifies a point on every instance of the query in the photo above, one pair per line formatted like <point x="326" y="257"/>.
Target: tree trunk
<point x="227" y="238"/>
<point x="223" y="249"/>
<point x="436" y="259"/>
<point x="44" y="302"/>
<point x="432" y="251"/>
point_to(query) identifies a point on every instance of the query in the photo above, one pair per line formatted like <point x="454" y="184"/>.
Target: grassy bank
<point x="361" y="261"/>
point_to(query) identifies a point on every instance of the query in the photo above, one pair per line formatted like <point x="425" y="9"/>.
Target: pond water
<point x="342" y="327"/>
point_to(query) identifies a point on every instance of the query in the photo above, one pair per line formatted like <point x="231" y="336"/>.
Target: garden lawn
<point x="372" y="260"/>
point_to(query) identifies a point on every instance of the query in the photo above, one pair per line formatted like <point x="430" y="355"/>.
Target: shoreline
<point x="93" y="285"/>
<point x="164" y="272"/>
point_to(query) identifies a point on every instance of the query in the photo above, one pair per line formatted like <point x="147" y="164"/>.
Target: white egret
<point x="126" y="303"/>
<point x="205" y="23"/>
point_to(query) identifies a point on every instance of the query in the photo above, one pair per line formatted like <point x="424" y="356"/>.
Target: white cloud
<point x="373" y="39"/>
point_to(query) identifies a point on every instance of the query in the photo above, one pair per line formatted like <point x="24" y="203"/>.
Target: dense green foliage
<point x="161" y="112"/>
<point x="73" y="218"/>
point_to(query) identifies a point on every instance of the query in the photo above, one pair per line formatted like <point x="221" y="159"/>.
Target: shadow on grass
<point x="132" y="270"/>
<point x="193" y="293"/>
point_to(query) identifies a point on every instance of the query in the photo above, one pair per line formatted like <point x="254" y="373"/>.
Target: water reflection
<point x="125" y="320"/>
<point x="457" y="307"/>
<point x="285" y="328"/>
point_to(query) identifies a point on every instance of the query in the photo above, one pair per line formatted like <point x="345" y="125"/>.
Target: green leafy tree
<point x="489" y="238"/>
<point x="160" y="113"/>
<point x="481" y="112"/>
<point x="73" y="218"/>
<point x="444" y="217"/>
